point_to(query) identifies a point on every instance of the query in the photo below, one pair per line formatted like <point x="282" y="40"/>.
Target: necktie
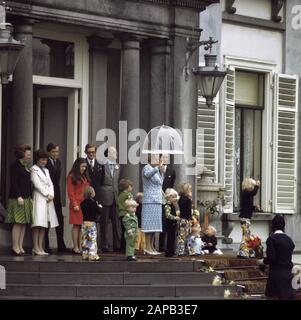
<point x="112" y="168"/>
<point x="91" y="164"/>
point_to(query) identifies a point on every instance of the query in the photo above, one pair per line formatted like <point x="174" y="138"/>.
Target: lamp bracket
<point x="192" y="46"/>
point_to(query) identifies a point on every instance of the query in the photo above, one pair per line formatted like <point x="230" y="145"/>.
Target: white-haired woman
<point x="249" y="191"/>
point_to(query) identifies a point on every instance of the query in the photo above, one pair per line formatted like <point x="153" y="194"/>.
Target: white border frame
<point x="81" y="75"/>
<point x="269" y="68"/>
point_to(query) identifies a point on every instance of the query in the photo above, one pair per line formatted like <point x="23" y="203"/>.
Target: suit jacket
<point x="152" y="185"/>
<point x="169" y="178"/>
<point x="20" y="183"/>
<point x="123" y="196"/>
<point x="96" y="176"/>
<point x="130" y="221"/>
<point x="280" y="249"/>
<point x="55" y="175"/>
<point x="109" y="187"/>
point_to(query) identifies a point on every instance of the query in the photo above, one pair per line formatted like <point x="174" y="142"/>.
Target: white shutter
<point x="285" y="144"/>
<point x="229" y="139"/>
<point x="207" y="141"/>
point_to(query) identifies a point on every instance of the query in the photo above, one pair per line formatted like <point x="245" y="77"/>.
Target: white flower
<point x="217" y="281"/>
<point x="116" y="167"/>
<point x="227" y="293"/>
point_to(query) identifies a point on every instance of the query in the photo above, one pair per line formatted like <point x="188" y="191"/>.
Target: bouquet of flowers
<point x="254" y="242"/>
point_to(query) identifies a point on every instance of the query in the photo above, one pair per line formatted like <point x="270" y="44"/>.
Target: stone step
<point x="116" y="291"/>
<point x="121" y="278"/>
<point x="240" y="274"/>
<point x="252" y="287"/>
<point x="101" y="266"/>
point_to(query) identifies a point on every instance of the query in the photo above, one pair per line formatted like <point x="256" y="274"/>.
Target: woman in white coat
<point x="43" y="206"/>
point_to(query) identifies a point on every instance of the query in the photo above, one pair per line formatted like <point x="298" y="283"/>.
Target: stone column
<point x="160" y="79"/>
<point x="185" y="113"/>
<point x="130" y="104"/>
<point x="98" y="85"/>
<point x="22" y="97"/>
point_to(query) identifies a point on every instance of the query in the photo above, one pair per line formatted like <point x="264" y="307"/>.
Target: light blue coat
<point x="152" y="185"/>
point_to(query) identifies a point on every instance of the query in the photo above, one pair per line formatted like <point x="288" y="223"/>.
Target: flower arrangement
<point x="213" y="206"/>
<point x="254" y="242"/>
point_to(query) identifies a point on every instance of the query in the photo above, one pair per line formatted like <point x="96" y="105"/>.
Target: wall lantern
<point x="10" y="48"/>
<point x="209" y="77"/>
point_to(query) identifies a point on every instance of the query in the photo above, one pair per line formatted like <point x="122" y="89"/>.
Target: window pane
<point x="53" y="58"/>
<point x="248" y="135"/>
<point x="249" y="89"/>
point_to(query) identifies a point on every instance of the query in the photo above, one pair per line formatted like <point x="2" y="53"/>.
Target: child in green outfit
<point x="130" y="223"/>
<point x="125" y="193"/>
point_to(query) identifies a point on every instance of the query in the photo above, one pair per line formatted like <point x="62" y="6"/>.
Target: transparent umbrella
<point x="163" y="140"/>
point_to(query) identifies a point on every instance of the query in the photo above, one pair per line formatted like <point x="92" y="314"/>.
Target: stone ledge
<point x="254" y="22"/>
<point x="265" y="216"/>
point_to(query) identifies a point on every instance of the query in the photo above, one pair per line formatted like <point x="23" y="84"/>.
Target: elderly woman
<point x="20" y="203"/>
<point x="151" y="217"/>
<point x="44" y="215"/>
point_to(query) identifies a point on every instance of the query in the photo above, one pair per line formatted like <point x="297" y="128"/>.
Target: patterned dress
<point x="244" y="251"/>
<point x="20" y="187"/>
<point x="151" y="219"/>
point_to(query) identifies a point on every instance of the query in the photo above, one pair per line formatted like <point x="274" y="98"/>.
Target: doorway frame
<point x="81" y="76"/>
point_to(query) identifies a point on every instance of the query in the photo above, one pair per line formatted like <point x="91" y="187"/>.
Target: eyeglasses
<point x="90" y="152"/>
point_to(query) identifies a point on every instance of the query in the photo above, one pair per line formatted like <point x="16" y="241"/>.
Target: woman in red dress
<point x="77" y="180"/>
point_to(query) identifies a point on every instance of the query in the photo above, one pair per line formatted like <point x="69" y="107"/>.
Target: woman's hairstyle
<point x="130" y="203"/>
<point x="20" y="150"/>
<point x="169" y="192"/>
<point x="75" y="171"/>
<point x="185" y="188"/>
<point x="88" y="191"/>
<point x="248" y="184"/>
<point x="124" y="184"/>
<point x="51" y="146"/>
<point x="39" y="154"/>
<point x="278" y="223"/>
<point x="138" y="197"/>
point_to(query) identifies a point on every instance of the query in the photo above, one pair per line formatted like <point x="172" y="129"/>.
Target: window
<point x="53" y="58"/>
<point x="249" y="104"/>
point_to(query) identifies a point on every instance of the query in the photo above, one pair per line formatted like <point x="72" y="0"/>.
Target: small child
<point x="210" y="241"/>
<point x="140" y="239"/>
<point x="185" y="201"/>
<point x="195" y="243"/>
<point x="184" y="225"/>
<point x="90" y="208"/>
<point x="172" y="216"/>
<point x="130" y="223"/>
<point x="125" y="193"/>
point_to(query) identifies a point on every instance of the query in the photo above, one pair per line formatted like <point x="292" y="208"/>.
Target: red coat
<point x="76" y="196"/>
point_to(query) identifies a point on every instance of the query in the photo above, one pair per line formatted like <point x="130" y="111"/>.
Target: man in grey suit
<point x="108" y="199"/>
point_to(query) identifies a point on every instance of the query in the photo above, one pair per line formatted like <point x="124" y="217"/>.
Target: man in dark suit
<point x="169" y="176"/>
<point x="108" y="199"/>
<point x="279" y="252"/>
<point x="54" y="167"/>
<point x="95" y="170"/>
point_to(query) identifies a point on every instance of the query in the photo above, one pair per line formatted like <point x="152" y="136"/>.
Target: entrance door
<point x="57" y="122"/>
